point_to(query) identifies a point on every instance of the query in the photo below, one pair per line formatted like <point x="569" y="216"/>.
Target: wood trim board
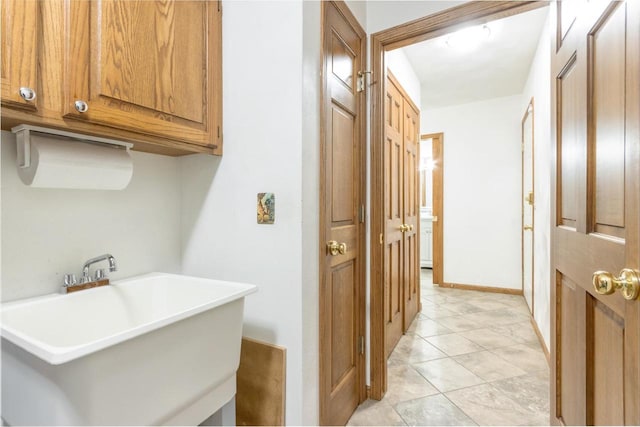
<point x="261" y="384"/>
<point x="481" y="288"/>
<point x="534" y="324"/>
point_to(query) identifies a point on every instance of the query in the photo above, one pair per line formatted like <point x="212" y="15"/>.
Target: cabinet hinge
<point x="361" y="345"/>
<point x="362" y="213"/>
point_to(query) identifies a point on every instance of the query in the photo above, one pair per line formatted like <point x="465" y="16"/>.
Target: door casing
<point x="437" y="202"/>
<point x="473" y="12"/>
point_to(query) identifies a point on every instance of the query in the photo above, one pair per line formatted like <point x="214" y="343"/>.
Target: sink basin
<point x="156" y="349"/>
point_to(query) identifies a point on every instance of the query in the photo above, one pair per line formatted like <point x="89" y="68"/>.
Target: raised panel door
<point x="342" y="282"/>
<point x="596" y="103"/>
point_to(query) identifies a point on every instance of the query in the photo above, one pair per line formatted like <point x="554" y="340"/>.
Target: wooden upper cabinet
<point x="20" y="20"/>
<point x="144" y="71"/>
<point x="147" y="66"/>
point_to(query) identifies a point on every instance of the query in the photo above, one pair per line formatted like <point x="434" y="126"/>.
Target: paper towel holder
<point x="23" y="137"/>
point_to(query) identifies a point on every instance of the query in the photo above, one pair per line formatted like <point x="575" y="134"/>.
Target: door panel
<point x="411" y="135"/>
<point x="341" y="279"/>
<point x="394" y="204"/>
<point x="144" y="66"/>
<point x="606" y="52"/>
<point x="18" y="66"/>
<point x="596" y="339"/>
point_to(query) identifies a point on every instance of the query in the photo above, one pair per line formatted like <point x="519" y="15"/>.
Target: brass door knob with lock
<point x="336" y="248"/>
<point x="628" y="283"/>
<point x="404" y="228"/>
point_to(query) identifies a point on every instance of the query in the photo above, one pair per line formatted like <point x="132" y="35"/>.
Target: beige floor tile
<point x="487" y="405"/>
<point x="496" y="318"/>
<point x="461" y="307"/>
<point x="426" y="327"/>
<point x="454" y="344"/>
<point x="500" y="378"/>
<point x="447" y="374"/>
<point x="488" y="338"/>
<point x="439" y="298"/>
<point x="405" y="383"/>
<point x="457" y="323"/>
<point x="485" y="304"/>
<point x="488" y="366"/>
<point x="531" y="391"/>
<point x="523" y="356"/>
<point x="433" y="411"/>
<point x="414" y="349"/>
<point x="521" y="332"/>
<point x="437" y="312"/>
<point x="375" y="413"/>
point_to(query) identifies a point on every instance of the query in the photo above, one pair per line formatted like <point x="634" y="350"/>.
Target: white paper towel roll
<point x="62" y="163"/>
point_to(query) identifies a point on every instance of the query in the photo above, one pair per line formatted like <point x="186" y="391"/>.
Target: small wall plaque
<point x="266" y="208"/>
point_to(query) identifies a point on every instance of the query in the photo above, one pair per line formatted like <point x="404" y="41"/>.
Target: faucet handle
<point x="70" y="279"/>
<point x="101" y="273"/>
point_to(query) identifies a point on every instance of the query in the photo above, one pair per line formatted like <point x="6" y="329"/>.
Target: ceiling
<point x="498" y="66"/>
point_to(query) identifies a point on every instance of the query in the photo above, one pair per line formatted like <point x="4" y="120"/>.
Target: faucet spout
<point x="106" y="257"/>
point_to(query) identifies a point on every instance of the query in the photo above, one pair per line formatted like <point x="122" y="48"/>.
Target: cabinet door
<point x="19" y="53"/>
<point x="148" y="66"/>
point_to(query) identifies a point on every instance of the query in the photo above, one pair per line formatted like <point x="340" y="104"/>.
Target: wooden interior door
<point x="342" y="292"/>
<point x="394" y="268"/>
<point x="19" y="36"/>
<point x="595" y="337"/>
<point x="527" y="201"/>
<point x="411" y="209"/>
<point x="146" y="66"/>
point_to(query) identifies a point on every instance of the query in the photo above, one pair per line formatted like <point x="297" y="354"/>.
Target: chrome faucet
<point x="72" y="285"/>
<point x="101" y="273"/>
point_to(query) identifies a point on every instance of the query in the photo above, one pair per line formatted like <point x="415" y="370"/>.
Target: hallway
<point x="469" y="358"/>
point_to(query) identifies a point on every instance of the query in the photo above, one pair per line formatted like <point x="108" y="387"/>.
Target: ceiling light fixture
<point x="469" y="37"/>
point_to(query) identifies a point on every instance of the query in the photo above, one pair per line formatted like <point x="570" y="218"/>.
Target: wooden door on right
<point x="596" y="256"/>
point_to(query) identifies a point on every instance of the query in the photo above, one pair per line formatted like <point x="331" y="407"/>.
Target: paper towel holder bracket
<point x="23" y="137"/>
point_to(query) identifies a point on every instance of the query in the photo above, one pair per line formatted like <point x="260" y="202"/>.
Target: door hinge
<point x="361" y="82"/>
<point x="362" y="213"/>
<point x="218" y="132"/>
<point x="219" y="5"/>
<point x="361" y="345"/>
<point x="381" y="238"/>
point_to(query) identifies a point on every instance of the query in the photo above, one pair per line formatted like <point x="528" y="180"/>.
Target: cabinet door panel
<point x="148" y="66"/>
<point x="19" y="51"/>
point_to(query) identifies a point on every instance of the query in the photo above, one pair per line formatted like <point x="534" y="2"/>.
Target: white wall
<point x="310" y="166"/>
<point x="398" y="63"/>
<point x="359" y="10"/>
<point x="482" y="170"/>
<point x="47" y="233"/>
<point x="262" y="129"/>
<point x="538" y="86"/>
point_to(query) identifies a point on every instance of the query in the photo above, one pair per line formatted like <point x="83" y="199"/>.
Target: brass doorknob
<point x="628" y="283"/>
<point x="336" y="248"/>
<point x="404" y="228"/>
<point x="528" y="227"/>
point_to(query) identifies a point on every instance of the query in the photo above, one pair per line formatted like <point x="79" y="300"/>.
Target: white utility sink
<point x="150" y="350"/>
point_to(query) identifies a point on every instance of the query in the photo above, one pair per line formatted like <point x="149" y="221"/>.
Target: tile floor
<point x="469" y="358"/>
